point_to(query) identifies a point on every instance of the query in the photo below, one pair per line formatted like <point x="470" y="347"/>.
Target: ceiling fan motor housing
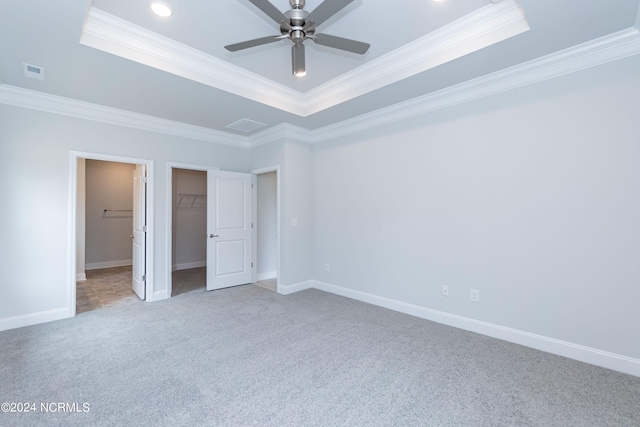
<point x="296" y="17"/>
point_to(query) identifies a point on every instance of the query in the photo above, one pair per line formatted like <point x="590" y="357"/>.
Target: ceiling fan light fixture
<point x="297" y="60"/>
<point x="160" y="8"/>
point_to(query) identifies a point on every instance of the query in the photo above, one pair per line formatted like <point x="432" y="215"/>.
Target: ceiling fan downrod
<point x="295" y="27"/>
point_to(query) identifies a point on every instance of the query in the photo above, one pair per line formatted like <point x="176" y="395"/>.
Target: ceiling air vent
<point x="33" y="72"/>
<point x="246" y="125"/>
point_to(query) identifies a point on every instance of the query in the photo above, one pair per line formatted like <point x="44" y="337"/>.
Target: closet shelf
<point x="192" y="202"/>
<point x="117" y="213"/>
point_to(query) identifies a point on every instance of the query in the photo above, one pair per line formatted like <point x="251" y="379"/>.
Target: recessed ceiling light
<point x="160" y="8"/>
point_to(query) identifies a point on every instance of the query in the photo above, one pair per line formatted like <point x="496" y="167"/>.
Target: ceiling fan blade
<point x="251" y="43"/>
<point x="324" y="11"/>
<point x="341" y="43"/>
<point x="297" y="60"/>
<point x="270" y="10"/>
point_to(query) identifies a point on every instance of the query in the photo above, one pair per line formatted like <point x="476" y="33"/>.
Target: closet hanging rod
<point x="118" y="210"/>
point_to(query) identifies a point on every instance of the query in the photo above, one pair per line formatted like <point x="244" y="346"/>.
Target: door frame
<point x="169" y="215"/>
<point x="73" y="200"/>
<point x="256" y="172"/>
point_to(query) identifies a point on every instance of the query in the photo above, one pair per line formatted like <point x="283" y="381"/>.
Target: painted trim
<point x="590" y="54"/>
<point x="189" y="265"/>
<point x="81" y="277"/>
<point x="279" y="132"/>
<point x="107" y="264"/>
<point x="117" y="36"/>
<point x="33" y="318"/>
<point x="596" y="52"/>
<point x="578" y="352"/>
<point x="254" y="228"/>
<point x="267" y="276"/>
<point x="295" y="287"/>
<point x="486" y="26"/>
<point x="26" y="98"/>
<point x="72" y="244"/>
<point x="160" y="295"/>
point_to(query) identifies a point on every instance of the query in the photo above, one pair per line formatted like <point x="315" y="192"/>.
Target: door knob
<point x="211" y="236"/>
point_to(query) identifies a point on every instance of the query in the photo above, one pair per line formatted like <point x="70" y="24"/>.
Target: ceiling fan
<point x="299" y="25"/>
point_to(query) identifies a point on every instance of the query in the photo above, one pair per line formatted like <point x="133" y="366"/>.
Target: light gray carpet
<point x="247" y="356"/>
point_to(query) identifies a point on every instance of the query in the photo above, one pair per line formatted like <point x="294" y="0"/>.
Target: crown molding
<point x="609" y="48"/>
<point x="114" y="35"/>
<point x="26" y="98"/>
<point x="280" y="132"/>
<point x="484" y="27"/>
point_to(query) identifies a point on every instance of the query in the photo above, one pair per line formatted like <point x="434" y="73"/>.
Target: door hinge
<point x="144" y="277"/>
<point x="251" y="265"/>
<point x="251" y="225"/>
<point x="144" y="228"/>
<point x="251" y="185"/>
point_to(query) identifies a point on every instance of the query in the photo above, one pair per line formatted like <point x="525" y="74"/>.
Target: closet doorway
<point x="189" y="230"/>
<point x="111" y="231"/>
<point x="189" y="184"/>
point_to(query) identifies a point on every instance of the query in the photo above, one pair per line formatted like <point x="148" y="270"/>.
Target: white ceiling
<point x="176" y="68"/>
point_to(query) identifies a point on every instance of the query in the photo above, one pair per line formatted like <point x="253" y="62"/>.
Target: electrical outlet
<point x="445" y="290"/>
<point x="327" y="267"/>
<point x="474" y="296"/>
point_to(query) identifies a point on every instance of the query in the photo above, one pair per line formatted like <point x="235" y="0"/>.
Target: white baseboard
<point x="188" y="265"/>
<point x="266" y="276"/>
<point x="606" y="359"/>
<point x="296" y="287"/>
<point x="159" y="295"/>
<point x="33" y="318"/>
<point x="81" y="277"/>
<point x="108" y="264"/>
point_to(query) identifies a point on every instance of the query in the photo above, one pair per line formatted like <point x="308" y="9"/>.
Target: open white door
<point x="228" y="229"/>
<point x="139" y="230"/>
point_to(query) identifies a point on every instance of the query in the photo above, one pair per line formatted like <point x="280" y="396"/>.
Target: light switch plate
<point x="294" y="222"/>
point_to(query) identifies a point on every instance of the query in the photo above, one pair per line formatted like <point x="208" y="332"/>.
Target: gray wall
<point x="35" y="156"/>
<point x="109" y="185"/>
<point x="530" y="197"/>
<point x="294" y="160"/>
<point x="267" y="226"/>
